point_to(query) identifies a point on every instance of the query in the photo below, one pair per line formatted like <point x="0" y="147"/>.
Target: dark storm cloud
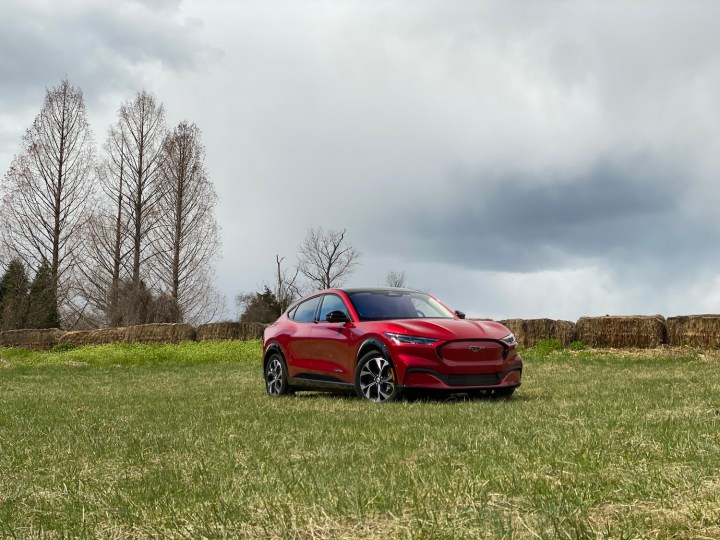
<point x="588" y="129"/>
<point x="618" y="212"/>
<point x="101" y="46"/>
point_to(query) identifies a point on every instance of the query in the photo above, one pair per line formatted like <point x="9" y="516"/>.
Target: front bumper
<point x="428" y="367"/>
<point x="427" y="378"/>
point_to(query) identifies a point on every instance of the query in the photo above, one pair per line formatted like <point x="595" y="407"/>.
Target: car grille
<point x="477" y="350"/>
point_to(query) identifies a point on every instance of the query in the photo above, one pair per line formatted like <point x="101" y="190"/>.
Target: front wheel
<point x="276" y="376"/>
<point x="375" y="378"/>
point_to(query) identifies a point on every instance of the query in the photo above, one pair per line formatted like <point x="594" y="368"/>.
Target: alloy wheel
<point x="377" y="379"/>
<point x="274" y="377"/>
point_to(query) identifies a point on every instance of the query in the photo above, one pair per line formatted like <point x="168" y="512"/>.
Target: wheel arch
<point x="272" y="348"/>
<point x="371" y="344"/>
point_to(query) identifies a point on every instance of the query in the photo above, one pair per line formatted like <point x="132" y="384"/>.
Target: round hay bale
<point x="517" y="327"/>
<point x="253" y="330"/>
<point x="618" y="331"/>
<point x="94" y="337"/>
<point x="694" y="331"/>
<point x="218" y="331"/>
<point x="529" y="332"/>
<point x="224" y="331"/>
<point x="36" y="339"/>
<point x="160" y="333"/>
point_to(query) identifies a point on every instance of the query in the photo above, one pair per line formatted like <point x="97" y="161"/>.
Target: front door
<point x="333" y="350"/>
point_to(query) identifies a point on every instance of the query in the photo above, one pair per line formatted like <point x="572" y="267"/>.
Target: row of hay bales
<point x="609" y="331"/>
<point x="144" y="333"/>
<point x="622" y="331"/>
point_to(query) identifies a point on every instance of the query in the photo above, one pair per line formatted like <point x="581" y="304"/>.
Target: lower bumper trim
<point x="459" y="381"/>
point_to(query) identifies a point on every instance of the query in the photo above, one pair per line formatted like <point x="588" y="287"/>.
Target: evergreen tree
<point x="14" y="298"/>
<point x="42" y="309"/>
<point x="262" y="307"/>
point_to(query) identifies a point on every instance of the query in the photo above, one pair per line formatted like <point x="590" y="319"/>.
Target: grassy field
<point x="134" y="441"/>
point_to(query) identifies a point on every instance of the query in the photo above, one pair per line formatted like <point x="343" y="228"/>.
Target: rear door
<point x="300" y="345"/>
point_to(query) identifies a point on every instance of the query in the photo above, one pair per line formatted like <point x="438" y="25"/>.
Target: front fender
<point x="372" y="343"/>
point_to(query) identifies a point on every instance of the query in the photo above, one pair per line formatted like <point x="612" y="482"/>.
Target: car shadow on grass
<point x="419" y="397"/>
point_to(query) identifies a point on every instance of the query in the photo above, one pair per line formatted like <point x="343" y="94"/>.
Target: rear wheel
<point x="276" y="376"/>
<point x="375" y="378"/>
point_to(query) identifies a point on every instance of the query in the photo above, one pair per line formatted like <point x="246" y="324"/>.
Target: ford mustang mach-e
<point x="380" y="341"/>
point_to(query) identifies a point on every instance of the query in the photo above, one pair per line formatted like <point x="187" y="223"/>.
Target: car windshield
<point x="384" y="305"/>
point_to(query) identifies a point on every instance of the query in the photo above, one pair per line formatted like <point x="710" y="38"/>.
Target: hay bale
<point x="529" y="332"/>
<point x="94" y="337"/>
<point x="230" y="330"/>
<point x="639" y="331"/>
<point x="31" y="339"/>
<point x="694" y="330"/>
<point x="160" y="333"/>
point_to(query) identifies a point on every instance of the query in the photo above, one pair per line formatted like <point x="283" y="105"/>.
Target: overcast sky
<point x="516" y="159"/>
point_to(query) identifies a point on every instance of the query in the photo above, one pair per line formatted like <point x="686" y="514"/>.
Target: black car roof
<point x="377" y="290"/>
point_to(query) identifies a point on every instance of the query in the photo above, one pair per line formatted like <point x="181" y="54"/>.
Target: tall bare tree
<point x="121" y="235"/>
<point x="140" y="132"/>
<point x="286" y="289"/>
<point x="48" y="190"/>
<point x="326" y="258"/>
<point x="108" y="249"/>
<point x="187" y="232"/>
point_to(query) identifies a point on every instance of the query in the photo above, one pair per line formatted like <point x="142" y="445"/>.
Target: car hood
<point x="445" y="328"/>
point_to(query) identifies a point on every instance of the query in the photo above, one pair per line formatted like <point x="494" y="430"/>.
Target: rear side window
<point x="305" y="312"/>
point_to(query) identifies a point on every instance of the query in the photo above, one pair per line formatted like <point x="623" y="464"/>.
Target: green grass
<point x="134" y="441"/>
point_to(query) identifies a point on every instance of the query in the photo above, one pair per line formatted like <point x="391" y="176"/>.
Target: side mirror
<point x="460" y="314"/>
<point x="336" y="317"/>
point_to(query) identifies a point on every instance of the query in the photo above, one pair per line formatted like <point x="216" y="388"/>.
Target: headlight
<point x="509" y="339"/>
<point x="414" y="340"/>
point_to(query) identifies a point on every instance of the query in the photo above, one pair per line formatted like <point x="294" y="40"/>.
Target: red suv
<point x="379" y="341"/>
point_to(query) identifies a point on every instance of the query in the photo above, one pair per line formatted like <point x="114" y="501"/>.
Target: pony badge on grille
<point x="476" y="348"/>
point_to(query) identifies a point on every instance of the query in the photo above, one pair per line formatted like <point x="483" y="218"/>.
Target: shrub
<point x="546" y="346"/>
<point x="576" y="346"/>
<point x="64" y="347"/>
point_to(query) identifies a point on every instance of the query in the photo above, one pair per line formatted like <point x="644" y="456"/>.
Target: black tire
<point x="276" y="376"/>
<point x="375" y="378"/>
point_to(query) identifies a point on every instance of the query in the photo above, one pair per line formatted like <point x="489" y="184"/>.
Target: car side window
<point x="332" y="302"/>
<point x="305" y="312"/>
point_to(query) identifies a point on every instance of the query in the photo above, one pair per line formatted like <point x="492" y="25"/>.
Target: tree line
<point x="120" y="235"/>
<point x="325" y="260"/>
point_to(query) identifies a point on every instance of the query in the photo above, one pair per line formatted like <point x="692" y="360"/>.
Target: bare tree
<point x="121" y="240"/>
<point x="395" y="279"/>
<point x="141" y="132"/>
<point x="325" y="257"/>
<point x="108" y="249"/>
<point x="286" y="288"/>
<point x="48" y="190"/>
<point x="187" y="233"/>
